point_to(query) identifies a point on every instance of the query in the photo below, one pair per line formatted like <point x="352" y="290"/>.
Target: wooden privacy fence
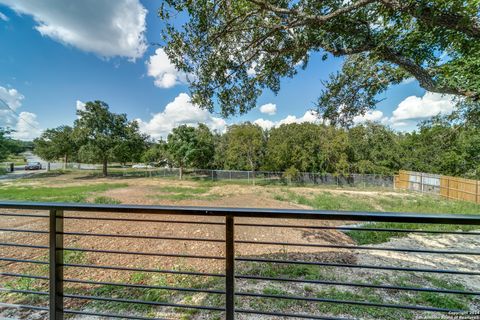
<point x="446" y="186"/>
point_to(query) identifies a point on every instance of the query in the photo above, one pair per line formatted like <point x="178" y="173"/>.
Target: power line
<point x="17" y="114"/>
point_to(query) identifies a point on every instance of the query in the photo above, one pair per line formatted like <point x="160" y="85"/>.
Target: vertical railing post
<point x="230" y="267"/>
<point x="56" y="261"/>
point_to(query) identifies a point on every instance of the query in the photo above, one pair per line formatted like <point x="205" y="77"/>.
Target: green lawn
<point x="18" y="160"/>
<point x="55" y="194"/>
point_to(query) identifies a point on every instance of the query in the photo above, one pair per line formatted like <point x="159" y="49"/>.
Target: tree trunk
<point x="253" y="170"/>
<point x="65" y="160"/>
<point x="105" y="172"/>
<point x="181" y="172"/>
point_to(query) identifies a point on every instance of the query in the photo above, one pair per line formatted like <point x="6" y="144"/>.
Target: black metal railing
<point x="52" y="220"/>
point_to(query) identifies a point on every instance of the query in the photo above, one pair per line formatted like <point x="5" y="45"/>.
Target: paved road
<point x="19" y="171"/>
<point x="30" y="157"/>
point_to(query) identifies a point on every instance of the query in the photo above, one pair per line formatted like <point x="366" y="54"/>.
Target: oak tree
<point x="55" y="144"/>
<point x="234" y="50"/>
<point x="104" y="136"/>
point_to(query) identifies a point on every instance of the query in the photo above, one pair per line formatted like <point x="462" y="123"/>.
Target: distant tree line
<point x="447" y="145"/>
<point x="10" y="146"/>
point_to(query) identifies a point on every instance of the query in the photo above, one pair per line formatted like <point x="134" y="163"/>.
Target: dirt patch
<point x="369" y="193"/>
<point x="144" y="191"/>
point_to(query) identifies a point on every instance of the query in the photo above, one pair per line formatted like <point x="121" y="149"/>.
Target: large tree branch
<point x="321" y="19"/>
<point x="424" y="77"/>
<point x="453" y="21"/>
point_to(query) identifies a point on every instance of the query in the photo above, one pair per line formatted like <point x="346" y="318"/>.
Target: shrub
<point x="291" y="174"/>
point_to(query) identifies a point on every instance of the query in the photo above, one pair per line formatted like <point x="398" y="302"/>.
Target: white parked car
<point x="142" y="166"/>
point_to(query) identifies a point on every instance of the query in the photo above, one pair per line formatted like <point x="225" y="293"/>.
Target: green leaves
<point x="188" y="146"/>
<point x="245" y="147"/>
<point x="105" y="136"/>
<point x="307" y="147"/>
<point x="4" y="145"/>
<point x="55" y="144"/>
<point x="235" y="50"/>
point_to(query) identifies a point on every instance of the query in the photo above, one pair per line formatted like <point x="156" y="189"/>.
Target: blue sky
<point x="56" y="54"/>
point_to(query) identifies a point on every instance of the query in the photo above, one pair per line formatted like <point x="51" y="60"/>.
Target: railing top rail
<point x="250" y="212"/>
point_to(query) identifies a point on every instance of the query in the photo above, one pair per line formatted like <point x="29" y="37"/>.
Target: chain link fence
<point x="270" y="177"/>
<point x="253" y="177"/>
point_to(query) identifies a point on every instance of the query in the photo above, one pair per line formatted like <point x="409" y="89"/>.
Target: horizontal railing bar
<point x="20" y="245"/>
<point x="358" y="266"/>
<point x="355" y="228"/>
<point x="359" y="303"/>
<point x="44" y="293"/>
<point x="362" y="285"/>
<point x="143" y="253"/>
<point x="279" y="226"/>
<point x="20" y="275"/>
<point x="251" y="212"/>
<point x="151" y="303"/>
<point x="290" y="315"/>
<point x="22" y="306"/>
<point x="137" y="236"/>
<point x="143" y="286"/>
<point x="190" y="273"/>
<point x="24" y="215"/>
<point x="23" y="230"/>
<point x="109" y="315"/>
<point x="145" y="220"/>
<point x="23" y="260"/>
<point x="358" y="247"/>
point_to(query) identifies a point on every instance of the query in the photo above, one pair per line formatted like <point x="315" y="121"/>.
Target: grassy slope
<point x="387" y="203"/>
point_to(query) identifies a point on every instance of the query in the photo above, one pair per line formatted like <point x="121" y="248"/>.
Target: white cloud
<point x="27" y="126"/>
<point x="373" y="116"/>
<point x="408" y="80"/>
<point x="309" y="116"/>
<point x="265" y="124"/>
<point x="25" y="123"/>
<point x="80" y="106"/>
<point x="421" y="108"/>
<point x="11" y="99"/>
<point x="412" y="110"/>
<point x="251" y="71"/>
<point x="3" y="17"/>
<point x="107" y="28"/>
<point x="179" y="111"/>
<point x="269" y="108"/>
<point x="164" y="71"/>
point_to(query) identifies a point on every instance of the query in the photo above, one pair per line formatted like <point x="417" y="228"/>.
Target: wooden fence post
<point x="476" y="192"/>
<point x="448" y="186"/>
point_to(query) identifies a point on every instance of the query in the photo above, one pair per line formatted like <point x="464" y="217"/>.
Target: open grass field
<point x="81" y="187"/>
